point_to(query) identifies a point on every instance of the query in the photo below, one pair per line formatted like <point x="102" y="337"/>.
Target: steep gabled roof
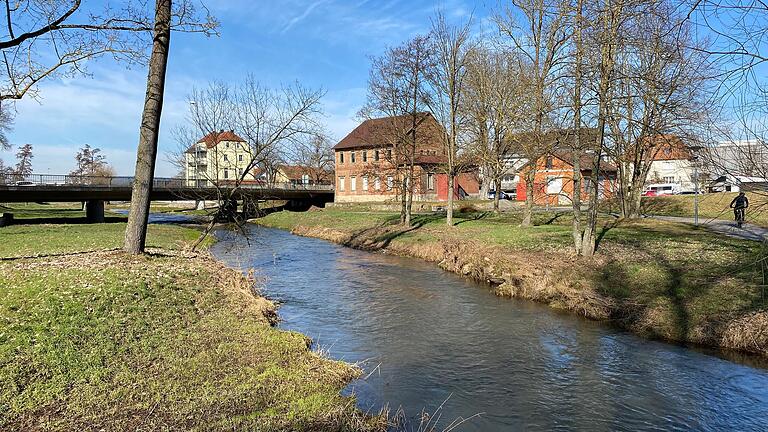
<point x="586" y="161"/>
<point x="214" y="138"/>
<point x="377" y="132"/>
<point x="666" y="147"/>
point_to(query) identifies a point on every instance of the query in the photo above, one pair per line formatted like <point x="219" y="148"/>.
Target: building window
<point x="240" y="158"/>
<point x="376" y="155"/>
<point x="365" y="183"/>
<point x="353" y="183"/>
<point x="352" y="157"/>
<point x="341" y="157"/>
<point x="389" y="183"/>
<point x="365" y="156"/>
<point x="341" y="184"/>
<point x="377" y="183"/>
<point x="226" y="158"/>
<point x="305" y="179"/>
<point x="668" y="179"/>
<point x="549" y="163"/>
<point x="226" y="174"/>
<point x="430" y="181"/>
<point x="389" y="154"/>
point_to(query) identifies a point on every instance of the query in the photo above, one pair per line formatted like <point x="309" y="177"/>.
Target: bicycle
<point x="739" y="215"/>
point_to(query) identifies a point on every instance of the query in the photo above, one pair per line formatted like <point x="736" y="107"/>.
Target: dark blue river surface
<point x="425" y="336"/>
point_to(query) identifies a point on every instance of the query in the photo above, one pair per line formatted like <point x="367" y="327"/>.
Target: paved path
<point x="727" y="227"/>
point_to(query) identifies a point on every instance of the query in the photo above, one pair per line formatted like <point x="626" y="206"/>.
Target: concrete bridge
<point x="94" y="190"/>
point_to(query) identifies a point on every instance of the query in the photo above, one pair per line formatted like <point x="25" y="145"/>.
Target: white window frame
<point x="390" y="182"/>
<point x="365" y="183"/>
<point x="353" y="183"/>
<point x="377" y="184"/>
<point x="342" y="185"/>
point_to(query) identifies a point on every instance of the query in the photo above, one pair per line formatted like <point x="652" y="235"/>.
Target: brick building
<point x="553" y="181"/>
<point x="369" y="167"/>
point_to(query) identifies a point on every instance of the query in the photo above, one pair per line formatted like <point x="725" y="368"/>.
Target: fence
<point x="54" y="180"/>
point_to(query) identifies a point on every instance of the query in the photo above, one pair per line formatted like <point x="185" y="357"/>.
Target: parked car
<point x="663" y="189"/>
<point x="24" y="183"/>
<point x="503" y="195"/>
<point x="650" y="193"/>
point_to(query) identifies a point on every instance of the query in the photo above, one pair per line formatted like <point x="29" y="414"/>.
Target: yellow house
<point x="218" y="157"/>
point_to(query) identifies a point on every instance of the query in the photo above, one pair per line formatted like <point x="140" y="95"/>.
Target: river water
<point x="427" y="337"/>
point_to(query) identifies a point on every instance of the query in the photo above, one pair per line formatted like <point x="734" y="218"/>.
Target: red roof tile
<point x="375" y="132"/>
<point x="213" y="138"/>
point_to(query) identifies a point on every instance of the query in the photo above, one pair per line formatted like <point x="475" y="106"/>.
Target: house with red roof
<point x="219" y="157"/>
<point x="370" y="165"/>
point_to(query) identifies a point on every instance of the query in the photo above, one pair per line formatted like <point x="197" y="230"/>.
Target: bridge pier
<point x="94" y="211"/>
<point x="6" y="219"/>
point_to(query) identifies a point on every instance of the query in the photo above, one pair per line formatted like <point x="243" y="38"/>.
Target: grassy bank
<point x="106" y="341"/>
<point x="52" y="212"/>
<point x="711" y="206"/>
<point x="659" y="279"/>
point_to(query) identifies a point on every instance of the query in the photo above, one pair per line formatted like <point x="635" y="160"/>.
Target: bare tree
<point x="451" y="46"/>
<point x="138" y="216"/>
<point x="136" y="230"/>
<point x="23" y="161"/>
<point x="661" y="85"/>
<point x="272" y="123"/>
<point x="497" y="104"/>
<point x="397" y="91"/>
<point x="538" y="30"/>
<point x="48" y="38"/>
<point x="315" y="155"/>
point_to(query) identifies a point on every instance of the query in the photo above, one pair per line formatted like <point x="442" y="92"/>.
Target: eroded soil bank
<point x="623" y="285"/>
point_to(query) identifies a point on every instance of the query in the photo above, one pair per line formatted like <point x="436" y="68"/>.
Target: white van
<point x="662" y="189"/>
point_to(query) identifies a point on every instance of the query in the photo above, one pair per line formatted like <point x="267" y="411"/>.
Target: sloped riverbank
<point x="660" y="280"/>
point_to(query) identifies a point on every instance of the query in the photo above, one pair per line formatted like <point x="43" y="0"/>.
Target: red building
<point x="553" y="180"/>
<point x="370" y="167"/>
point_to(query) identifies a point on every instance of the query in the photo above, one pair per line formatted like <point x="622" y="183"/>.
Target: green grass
<point x="48" y="211"/>
<point x="25" y="240"/>
<point x="683" y="276"/>
<point x="711" y="206"/>
<point x="109" y="341"/>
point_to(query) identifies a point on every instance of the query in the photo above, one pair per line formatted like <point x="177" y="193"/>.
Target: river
<point x="426" y="337"/>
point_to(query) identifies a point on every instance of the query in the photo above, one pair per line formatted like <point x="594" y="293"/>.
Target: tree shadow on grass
<point x="381" y="235"/>
<point x="66" y="220"/>
<point x="474" y="217"/>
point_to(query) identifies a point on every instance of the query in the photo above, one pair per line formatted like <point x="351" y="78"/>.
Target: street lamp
<point x="695" y="159"/>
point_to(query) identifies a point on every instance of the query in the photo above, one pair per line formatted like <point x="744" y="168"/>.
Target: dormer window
<point x="352" y="157"/>
<point x="341" y="157"/>
<point x="549" y="163"/>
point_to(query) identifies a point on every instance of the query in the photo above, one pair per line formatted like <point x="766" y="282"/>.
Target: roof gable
<point x="214" y="138"/>
<point x="376" y="132"/>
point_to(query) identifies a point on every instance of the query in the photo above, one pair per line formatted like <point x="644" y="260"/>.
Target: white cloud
<point x="104" y="112"/>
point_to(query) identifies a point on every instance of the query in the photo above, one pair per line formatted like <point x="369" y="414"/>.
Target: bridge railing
<point x="56" y="180"/>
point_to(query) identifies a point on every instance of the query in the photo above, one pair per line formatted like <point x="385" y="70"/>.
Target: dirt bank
<point x="566" y="282"/>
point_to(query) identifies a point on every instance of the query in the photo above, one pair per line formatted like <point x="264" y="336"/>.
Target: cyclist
<point x="739" y="204"/>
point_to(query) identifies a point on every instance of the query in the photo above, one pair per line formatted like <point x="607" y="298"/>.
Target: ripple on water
<point x="427" y="336"/>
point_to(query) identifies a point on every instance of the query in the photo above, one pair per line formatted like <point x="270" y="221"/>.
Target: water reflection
<point x="426" y="335"/>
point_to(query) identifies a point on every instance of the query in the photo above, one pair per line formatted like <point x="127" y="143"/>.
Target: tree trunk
<point x="136" y="231"/>
<point x="497" y="185"/>
<point x="409" y="202"/>
<point x="403" y="198"/>
<point x="576" y="200"/>
<point x="530" y="176"/>
<point x="449" y="209"/>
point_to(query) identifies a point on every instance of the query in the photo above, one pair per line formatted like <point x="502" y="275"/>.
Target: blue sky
<point x="320" y="43"/>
